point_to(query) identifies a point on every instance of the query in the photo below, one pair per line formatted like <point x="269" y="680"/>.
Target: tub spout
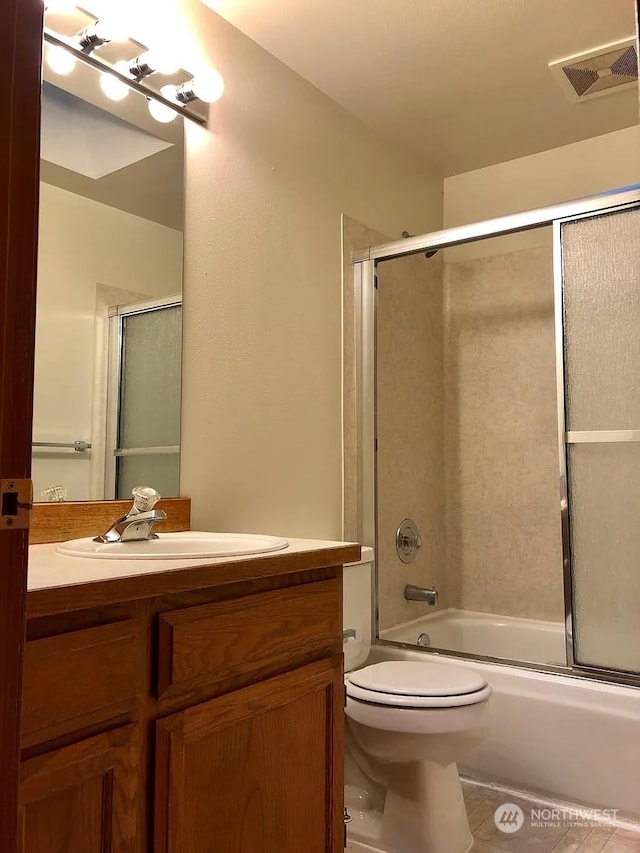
<point x="420" y="593"/>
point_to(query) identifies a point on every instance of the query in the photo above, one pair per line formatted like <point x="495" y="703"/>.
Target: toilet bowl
<point x="408" y="724"/>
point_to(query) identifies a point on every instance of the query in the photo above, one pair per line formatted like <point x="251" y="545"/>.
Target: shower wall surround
<point x="410" y="407"/>
<point x="504" y="548"/>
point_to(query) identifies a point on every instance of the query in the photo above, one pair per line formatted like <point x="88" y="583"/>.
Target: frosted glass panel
<point x="601" y="265"/>
<point x="604" y="483"/>
<point x="149" y="413"/>
<point x="161" y="471"/>
<point x="150" y="391"/>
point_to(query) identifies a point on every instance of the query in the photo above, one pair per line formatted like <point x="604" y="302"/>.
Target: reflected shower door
<point x="601" y="318"/>
<point x="145" y="395"/>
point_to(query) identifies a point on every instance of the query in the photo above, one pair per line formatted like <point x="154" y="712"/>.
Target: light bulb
<point x="113" y="88"/>
<point x="59" y="6"/>
<point x="208" y="86"/>
<point x="169" y="92"/>
<point x="113" y="26"/>
<point x="59" y="60"/>
<point x="160" y="112"/>
<point x="161" y="61"/>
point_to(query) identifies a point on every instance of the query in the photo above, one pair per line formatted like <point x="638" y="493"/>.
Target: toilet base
<point x="424" y="809"/>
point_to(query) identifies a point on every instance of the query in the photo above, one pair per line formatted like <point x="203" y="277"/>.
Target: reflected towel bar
<point x="80" y="446"/>
<point x="147" y="451"/>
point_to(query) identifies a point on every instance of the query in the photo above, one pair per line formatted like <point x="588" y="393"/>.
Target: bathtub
<point x="487" y="634"/>
<point x="567" y="737"/>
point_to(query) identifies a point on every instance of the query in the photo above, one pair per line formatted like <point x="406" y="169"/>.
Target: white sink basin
<point x="175" y="546"/>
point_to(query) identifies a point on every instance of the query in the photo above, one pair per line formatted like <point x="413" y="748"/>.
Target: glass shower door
<point x="601" y="319"/>
<point x="145" y="411"/>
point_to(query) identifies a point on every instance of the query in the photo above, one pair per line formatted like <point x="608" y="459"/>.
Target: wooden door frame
<point x="20" y="64"/>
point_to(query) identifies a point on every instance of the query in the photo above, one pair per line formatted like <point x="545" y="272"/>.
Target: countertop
<point x="58" y="583"/>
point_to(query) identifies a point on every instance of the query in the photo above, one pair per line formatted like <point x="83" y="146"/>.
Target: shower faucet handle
<point x="408" y="540"/>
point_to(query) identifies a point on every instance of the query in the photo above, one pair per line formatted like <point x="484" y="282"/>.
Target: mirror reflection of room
<point x="108" y="333"/>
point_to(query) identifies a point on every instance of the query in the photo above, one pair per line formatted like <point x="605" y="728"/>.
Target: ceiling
<point x="86" y="139"/>
<point x="462" y="83"/>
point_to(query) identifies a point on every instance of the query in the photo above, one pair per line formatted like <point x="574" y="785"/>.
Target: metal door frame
<point x="117" y="317"/>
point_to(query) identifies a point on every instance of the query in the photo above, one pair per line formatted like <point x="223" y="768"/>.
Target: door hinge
<point x="16" y="497"/>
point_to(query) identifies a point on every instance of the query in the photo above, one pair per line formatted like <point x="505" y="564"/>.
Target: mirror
<point x="108" y="325"/>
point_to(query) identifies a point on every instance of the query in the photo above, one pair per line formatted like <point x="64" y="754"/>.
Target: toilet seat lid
<point x="394" y="700"/>
<point x="417" y="678"/>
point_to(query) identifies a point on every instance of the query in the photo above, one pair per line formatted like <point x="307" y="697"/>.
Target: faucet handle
<point x="144" y="498"/>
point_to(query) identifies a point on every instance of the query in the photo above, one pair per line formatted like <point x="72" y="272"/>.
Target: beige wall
<point x="83" y="244"/>
<point x="265" y="189"/>
<point x="502" y="499"/>
<point x="410" y="406"/>
<point x="562" y="174"/>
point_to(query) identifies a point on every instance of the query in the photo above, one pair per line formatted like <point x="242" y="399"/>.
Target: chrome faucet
<point x="135" y="525"/>
<point x="420" y="593"/>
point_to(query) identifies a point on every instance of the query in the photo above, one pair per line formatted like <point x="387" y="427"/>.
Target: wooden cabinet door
<point x="83" y="798"/>
<point x="259" y="770"/>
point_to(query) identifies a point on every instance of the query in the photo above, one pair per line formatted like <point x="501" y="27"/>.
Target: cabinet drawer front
<point x="228" y="644"/>
<point x="76" y="680"/>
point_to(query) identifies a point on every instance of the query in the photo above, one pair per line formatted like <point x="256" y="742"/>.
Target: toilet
<point x="408" y="723"/>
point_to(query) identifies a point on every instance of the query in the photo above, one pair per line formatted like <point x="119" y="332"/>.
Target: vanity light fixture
<point x="186" y="98"/>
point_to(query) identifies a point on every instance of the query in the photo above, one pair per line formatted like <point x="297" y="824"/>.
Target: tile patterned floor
<point x="561" y="837"/>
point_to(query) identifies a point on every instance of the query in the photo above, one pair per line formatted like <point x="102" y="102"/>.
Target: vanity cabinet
<point x="202" y="713"/>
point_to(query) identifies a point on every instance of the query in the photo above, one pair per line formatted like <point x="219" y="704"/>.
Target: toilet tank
<point x="357" y="603"/>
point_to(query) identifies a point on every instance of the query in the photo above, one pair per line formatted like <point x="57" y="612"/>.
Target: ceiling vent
<point x="601" y="71"/>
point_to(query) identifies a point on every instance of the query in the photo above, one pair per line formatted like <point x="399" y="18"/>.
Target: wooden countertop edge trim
<point x="63" y="599"/>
